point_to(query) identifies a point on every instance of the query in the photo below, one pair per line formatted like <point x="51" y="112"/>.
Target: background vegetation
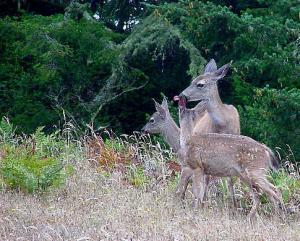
<point x="70" y="68"/>
<point x="57" y="60"/>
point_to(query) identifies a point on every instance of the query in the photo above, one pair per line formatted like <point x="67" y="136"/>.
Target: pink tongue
<point x="181" y="100"/>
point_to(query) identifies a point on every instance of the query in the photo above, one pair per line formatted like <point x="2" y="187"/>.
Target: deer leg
<point x="255" y="202"/>
<point x="232" y="192"/>
<point x="186" y="173"/>
<point x="271" y="191"/>
<point x="199" y="186"/>
<point x="255" y="198"/>
<point x="205" y="188"/>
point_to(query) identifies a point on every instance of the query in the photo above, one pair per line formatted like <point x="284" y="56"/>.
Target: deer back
<point x="228" y="155"/>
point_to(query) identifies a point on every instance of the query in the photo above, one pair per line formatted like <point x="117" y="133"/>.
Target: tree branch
<point x="113" y="98"/>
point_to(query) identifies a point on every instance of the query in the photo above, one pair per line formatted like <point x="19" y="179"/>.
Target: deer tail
<point x="274" y="160"/>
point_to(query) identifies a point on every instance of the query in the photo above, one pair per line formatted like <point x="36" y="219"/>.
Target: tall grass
<point x="135" y="156"/>
<point x="120" y="188"/>
<point x="40" y="161"/>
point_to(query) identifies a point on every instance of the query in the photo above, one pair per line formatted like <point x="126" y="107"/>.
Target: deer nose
<point x="181" y="95"/>
<point x="143" y="130"/>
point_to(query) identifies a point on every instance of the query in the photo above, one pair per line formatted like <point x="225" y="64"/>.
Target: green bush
<point x="136" y="176"/>
<point x="288" y="184"/>
<point x="31" y="163"/>
<point x="273" y="118"/>
<point x="28" y="172"/>
<point x="7" y="131"/>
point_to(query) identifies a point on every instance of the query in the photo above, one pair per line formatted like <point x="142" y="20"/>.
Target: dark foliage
<point x="106" y="71"/>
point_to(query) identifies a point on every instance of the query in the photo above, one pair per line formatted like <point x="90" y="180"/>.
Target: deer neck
<point x="216" y="110"/>
<point x="186" y="126"/>
<point x="171" y="134"/>
<point x="215" y="103"/>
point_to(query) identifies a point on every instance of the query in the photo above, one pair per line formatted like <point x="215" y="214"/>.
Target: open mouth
<point x="145" y="132"/>
<point x="197" y="101"/>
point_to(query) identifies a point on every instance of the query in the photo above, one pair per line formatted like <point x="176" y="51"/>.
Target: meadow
<point x="85" y="187"/>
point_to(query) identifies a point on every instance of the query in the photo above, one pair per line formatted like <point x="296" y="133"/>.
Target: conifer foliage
<point x="104" y="70"/>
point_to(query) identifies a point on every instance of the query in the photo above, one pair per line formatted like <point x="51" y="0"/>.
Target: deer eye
<point x="152" y="121"/>
<point x="199" y="85"/>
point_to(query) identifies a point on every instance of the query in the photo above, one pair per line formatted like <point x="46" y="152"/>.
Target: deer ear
<point x="155" y="103"/>
<point x="211" y="66"/>
<point x="164" y="104"/>
<point x="159" y="108"/>
<point x="222" y="71"/>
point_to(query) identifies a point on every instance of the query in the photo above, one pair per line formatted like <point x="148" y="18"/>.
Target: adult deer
<point x="217" y="117"/>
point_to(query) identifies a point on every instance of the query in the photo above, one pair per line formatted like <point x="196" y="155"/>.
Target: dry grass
<point x="101" y="204"/>
<point x="93" y="206"/>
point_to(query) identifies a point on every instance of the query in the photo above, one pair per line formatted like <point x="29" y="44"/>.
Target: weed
<point x="136" y="176"/>
<point x="22" y="170"/>
<point x="133" y="155"/>
<point x="31" y="163"/>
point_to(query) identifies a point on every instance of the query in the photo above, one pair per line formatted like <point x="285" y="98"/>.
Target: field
<point x="119" y="202"/>
<point x="94" y="207"/>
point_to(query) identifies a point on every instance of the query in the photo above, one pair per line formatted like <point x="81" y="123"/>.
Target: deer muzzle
<point x="182" y="100"/>
<point x="144" y="131"/>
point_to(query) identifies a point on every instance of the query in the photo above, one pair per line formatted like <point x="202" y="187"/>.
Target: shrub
<point x="135" y="156"/>
<point x="273" y="118"/>
<point x="109" y="154"/>
<point x="31" y="163"/>
<point x="288" y="184"/>
<point x="136" y="176"/>
<point x="24" y="170"/>
<point x="7" y="131"/>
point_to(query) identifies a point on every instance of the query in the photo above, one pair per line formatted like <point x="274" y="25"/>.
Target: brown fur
<point x="226" y="155"/>
<point x="215" y="118"/>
